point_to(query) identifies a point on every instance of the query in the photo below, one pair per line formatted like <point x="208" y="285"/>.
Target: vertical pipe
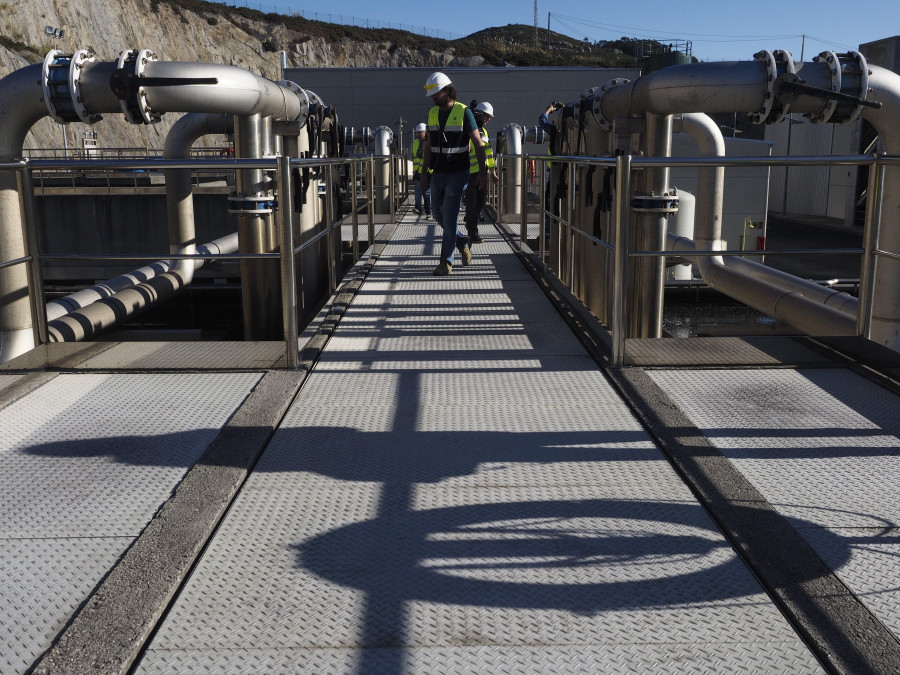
<point x="32" y="249"/>
<point x="622" y="225"/>
<point x="16" y="318"/>
<point x="869" y="265"/>
<point x="259" y="279"/>
<point x="288" y="272"/>
<point x="648" y="274"/>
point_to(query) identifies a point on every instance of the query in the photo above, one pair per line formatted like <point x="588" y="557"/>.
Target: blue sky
<point x="727" y="31"/>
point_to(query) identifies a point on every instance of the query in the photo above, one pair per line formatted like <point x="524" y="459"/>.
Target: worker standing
<point x="476" y="197"/>
<point x="451" y="127"/>
<point x="423" y="194"/>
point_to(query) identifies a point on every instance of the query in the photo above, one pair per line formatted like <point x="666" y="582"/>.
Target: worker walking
<point x="423" y="194"/>
<point x="451" y="127"/>
<point x="476" y="197"/>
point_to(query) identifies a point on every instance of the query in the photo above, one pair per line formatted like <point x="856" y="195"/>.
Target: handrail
<point x="281" y="166"/>
<point x="626" y="165"/>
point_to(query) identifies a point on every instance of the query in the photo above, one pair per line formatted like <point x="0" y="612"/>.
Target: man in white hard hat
<point x="418" y="154"/>
<point x="451" y="127"/>
<point x="476" y="197"/>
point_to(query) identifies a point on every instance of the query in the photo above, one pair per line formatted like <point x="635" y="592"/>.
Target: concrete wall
<point x="117" y="224"/>
<point x="746" y="187"/>
<point x="373" y="97"/>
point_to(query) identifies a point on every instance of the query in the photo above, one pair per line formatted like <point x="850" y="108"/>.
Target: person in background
<point x="544" y="118"/>
<point x="423" y="194"/>
<point x="451" y="127"/>
<point x="476" y="197"/>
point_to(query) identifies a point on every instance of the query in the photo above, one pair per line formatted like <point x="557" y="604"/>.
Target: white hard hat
<point x="486" y="108"/>
<point x="436" y="82"/>
<point x="421" y="126"/>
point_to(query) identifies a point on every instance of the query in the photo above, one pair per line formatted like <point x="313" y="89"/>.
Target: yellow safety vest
<point x="417" y="155"/>
<point x="488" y="153"/>
<point x="450" y="145"/>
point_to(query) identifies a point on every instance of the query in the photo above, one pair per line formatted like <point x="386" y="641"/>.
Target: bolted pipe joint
<point x="61" y="85"/>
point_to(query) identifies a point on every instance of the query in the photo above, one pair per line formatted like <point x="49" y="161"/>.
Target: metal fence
<point x="617" y="245"/>
<point x="361" y="180"/>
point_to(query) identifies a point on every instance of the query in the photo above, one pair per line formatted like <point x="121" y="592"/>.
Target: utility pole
<point x="548" y="31"/>
<point x="535" y="23"/>
<point x="802" y="48"/>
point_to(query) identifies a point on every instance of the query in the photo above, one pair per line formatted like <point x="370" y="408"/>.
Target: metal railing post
<point x="543" y="234"/>
<point x="620" y="258"/>
<point x="869" y="266"/>
<point x="329" y="228"/>
<point x="353" y="210"/>
<point x="570" y="231"/>
<point x="370" y="196"/>
<point x="288" y="271"/>
<point x="523" y="200"/>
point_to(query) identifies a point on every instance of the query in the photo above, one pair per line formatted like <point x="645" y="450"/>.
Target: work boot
<point x="443" y="269"/>
<point x="466" y="255"/>
<point x="475" y="238"/>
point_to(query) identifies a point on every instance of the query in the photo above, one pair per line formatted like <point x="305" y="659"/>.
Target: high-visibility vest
<point x="488" y="153"/>
<point x="450" y="145"/>
<point x="417" y="152"/>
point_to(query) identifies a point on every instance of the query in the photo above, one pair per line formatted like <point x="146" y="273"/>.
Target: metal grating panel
<point x="187" y="355"/>
<point x="42" y="581"/>
<point x="447" y="496"/>
<point x="674" y="659"/>
<point x="85" y="462"/>
<point x="95" y="455"/>
<point x="821" y="446"/>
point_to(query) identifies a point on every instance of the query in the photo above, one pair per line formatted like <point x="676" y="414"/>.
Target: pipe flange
<point x="79" y="58"/>
<point x="854" y="81"/>
<point x="667" y="203"/>
<point x="768" y="60"/>
<point x="253" y="206"/>
<point x="584" y="104"/>
<point x="784" y="63"/>
<point x="316" y="104"/>
<point x="60" y="78"/>
<point x="602" y="122"/>
<point x="834" y="64"/>
<point x="135" y="107"/>
<point x="298" y="91"/>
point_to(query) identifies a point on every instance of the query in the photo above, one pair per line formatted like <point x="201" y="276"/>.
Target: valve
<point x="134" y="101"/>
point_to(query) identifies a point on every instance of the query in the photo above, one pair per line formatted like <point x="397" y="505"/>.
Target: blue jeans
<point x="420" y="195"/>
<point x="446" y="194"/>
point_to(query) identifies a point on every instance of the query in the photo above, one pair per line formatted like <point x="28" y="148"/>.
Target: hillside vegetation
<point x="211" y="32"/>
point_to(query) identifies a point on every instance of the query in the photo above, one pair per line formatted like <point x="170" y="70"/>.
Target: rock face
<point x="174" y="34"/>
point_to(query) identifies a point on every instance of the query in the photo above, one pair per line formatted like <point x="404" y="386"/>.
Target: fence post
<point x="620" y="258"/>
<point x="523" y="200"/>
<point x="370" y="195"/>
<point x="353" y="210"/>
<point x="329" y="228"/>
<point x="288" y="271"/>
<point x="869" y="264"/>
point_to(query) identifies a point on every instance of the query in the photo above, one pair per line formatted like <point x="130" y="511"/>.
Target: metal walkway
<point x="451" y="485"/>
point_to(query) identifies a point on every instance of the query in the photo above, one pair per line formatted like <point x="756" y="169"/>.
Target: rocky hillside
<point x="195" y="30"/>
